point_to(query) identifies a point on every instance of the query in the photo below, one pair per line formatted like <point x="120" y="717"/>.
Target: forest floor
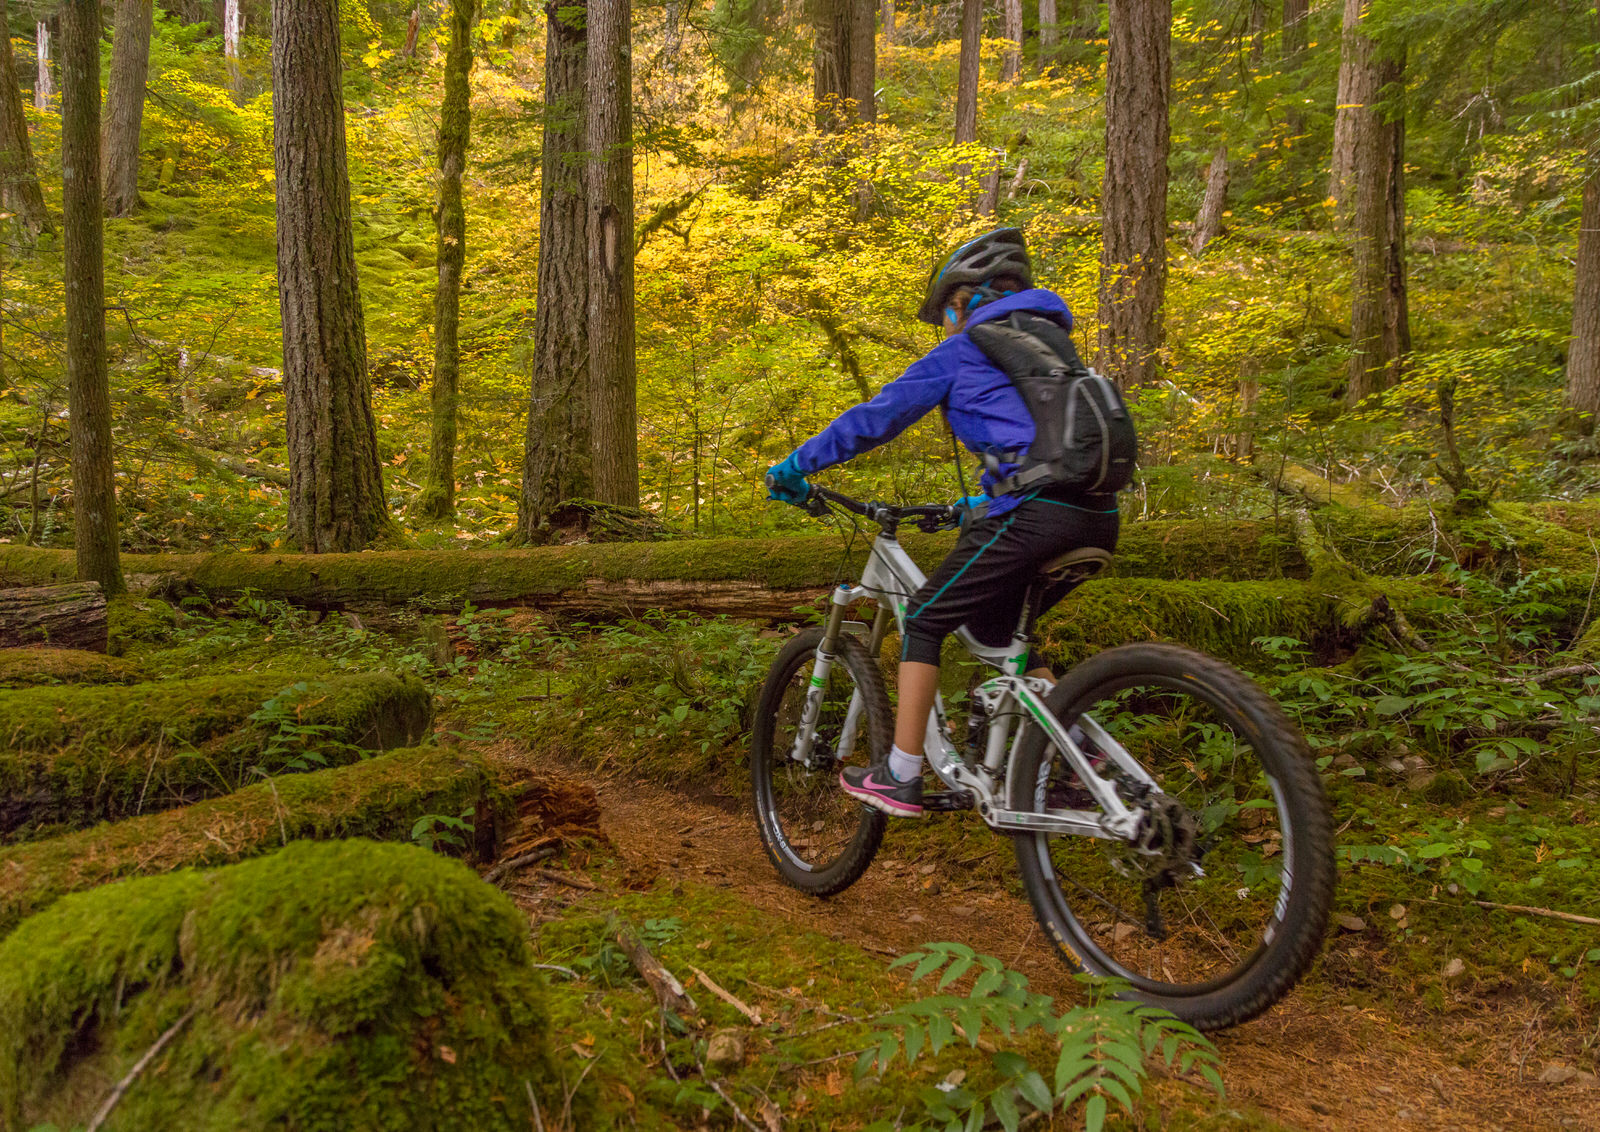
<point x="1312" y="1062"/>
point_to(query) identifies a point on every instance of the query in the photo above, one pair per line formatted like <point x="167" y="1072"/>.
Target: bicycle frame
<point x="1011" y="700"/>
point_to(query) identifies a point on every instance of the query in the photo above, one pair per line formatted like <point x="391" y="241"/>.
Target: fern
<point x="1103" y="1044"/>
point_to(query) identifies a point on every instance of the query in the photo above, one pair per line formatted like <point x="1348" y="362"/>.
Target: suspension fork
<point x="827" y="653"/>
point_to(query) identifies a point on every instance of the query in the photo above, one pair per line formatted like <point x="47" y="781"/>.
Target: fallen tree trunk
<point x="67" y="616"/>
<point x="29" y="667"/>
<point x="70" y="757"/>
<point x="380" y="797"/>
<point x="755" y="578"/>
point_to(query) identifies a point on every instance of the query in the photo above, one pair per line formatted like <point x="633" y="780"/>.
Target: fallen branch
<point x="1548" y="913"/>
<point x="726" y="996"/>
<point x="743" y="1119"/>
<point x="669" y="991"/>
<point x="138" y="1067"/>
<point x="568" y="879"/>
<point x="517" y="862"/>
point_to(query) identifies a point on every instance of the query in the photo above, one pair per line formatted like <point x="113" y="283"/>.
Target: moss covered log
<point x="25" y="668"/>
<point x="381" y="798"/>
<point x="66" y="616"/>
<point x="331" y="985"/>
<point x="70" y="756"/>
<point x="746" y="577"/>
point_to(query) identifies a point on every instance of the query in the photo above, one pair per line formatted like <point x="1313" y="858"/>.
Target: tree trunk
<point x="1133" y="262"/>
<point x="1397" y="314"/>
<point x="19" y="179"/>
<point x="413" y="26"/>
<point x="94" y="497"/>
<point x="1209" y="220"/>
<point x="64" y="617"/>
<point x="232" y="29"/>
<point x="555" y="452"/>
<point x="1357" y="91"/>
<point x="43" y="88"/>
<point x="1049" y="36"/>
<point x="1294" y="28"/>
<point x="1011" y="67"/>
<point x="614" y="440"/>
<point x="843" y="62"/>
<point x="1583" y="355"/>
<point x="1369" y="238"/>
<point x="336" y="499"/>
<point x="1258" y="33"/>
<point x="864" y="59"/>
<point x="455" y="128"/>
<point x="888" y="22"/>
<point x="130" y="64"/>
<point x="508" y="32"/>
<point x="967" y="79"/>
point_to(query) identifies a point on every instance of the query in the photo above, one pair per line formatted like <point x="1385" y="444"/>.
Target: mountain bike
<point x="1169" y="825"/>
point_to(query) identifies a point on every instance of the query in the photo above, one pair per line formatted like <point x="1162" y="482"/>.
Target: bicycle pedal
<point x="947" y="800"/>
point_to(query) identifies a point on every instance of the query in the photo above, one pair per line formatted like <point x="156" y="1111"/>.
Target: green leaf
<point x="1035" y="1091"/>
<point x="1005" y="1108"/>
<point x="864" y="1062"/>
<point x="913" y="1039"/>
<point x="1009" y="1063"/>
<point x="929" y="964"/>
<point x="1094" y="1114"/>
<point x="956" y="969"/>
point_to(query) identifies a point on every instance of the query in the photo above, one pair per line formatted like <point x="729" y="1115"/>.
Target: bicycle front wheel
<point x="1218" y="906"/>
<point x="818" y="837"/>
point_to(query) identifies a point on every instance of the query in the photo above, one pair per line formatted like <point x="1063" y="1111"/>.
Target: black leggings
<point x="983" y="582"/>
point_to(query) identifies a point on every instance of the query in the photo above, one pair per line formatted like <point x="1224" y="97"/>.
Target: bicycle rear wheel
<point x="1224" y="905"/>
<point x="818" y="837"/>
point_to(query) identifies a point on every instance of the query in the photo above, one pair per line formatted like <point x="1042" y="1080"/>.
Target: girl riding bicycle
<point x="1008" y="532"/>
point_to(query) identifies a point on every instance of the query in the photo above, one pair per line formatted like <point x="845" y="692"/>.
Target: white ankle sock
<point x="904" y="767"/>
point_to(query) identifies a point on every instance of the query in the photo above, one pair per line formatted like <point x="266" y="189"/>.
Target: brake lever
<point x="815" y="504"/>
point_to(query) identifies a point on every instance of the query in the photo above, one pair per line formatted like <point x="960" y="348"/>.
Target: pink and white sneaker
<point x="874" y="786"/>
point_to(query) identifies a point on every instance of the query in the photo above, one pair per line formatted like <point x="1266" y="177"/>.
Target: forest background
<point x="781" y="255"/>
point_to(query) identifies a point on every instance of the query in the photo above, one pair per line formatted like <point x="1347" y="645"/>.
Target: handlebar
<point x="928" y="517"/>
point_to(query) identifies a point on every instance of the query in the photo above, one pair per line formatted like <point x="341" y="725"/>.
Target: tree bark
<point x="555" y="451"/>
<point x="1294" y="28"/>
<point x="1011" y="67"/>
<point x="19" y="178"/>
<point x="844" y="62"/>
<point x="413" y="26"/>
<point x="1357" y="91"/>
<point x="63" y="617"/>
<point x="1380" y="333"/>
<point x="232" y="29"/>
<point x="94" y="497"/>
<point x="1397" y="314"/>
<point x="455" y="129"/>
<point x="888" y="22"/>
<point x="43" y="87"/>
<point x="1583" y="355"/>
<point x="336" y="499"/>
<point x="864" y="59"/>
<point x="967" y="78"/>
<point x="1209" y="220"/>
<point x="1133" y="261"/>
<point x="614" y="440"/>
<point x="130" y="65"/>
<point x="1049" y="36"/>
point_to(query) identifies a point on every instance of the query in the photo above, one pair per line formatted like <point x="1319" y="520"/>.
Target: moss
<point x="331" y="985"/>
<point x="70" y="756"/>
<point x="446" y="578"/>
<point x="1221" y="618"/>
<point x="132" y="620"/>
<point x="380" y="797"/>
<point x="24" y="668"/>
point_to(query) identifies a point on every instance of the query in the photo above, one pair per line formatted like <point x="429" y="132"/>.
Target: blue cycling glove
<point x="971" y="505"/>
<point x="785" y="482"/>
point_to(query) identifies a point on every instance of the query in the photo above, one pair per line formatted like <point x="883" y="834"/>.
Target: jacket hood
<point x="1034" y="299"/>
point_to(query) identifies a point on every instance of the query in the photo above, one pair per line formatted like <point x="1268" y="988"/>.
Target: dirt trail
<point x="1311" y="1065"/>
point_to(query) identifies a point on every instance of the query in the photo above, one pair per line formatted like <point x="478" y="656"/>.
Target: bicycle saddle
<point x="1076" y="566"/>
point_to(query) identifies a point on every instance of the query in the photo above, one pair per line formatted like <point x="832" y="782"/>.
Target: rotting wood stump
<point x="71" y="616"/>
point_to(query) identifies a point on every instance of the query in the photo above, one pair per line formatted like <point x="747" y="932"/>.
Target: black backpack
<point x="1084" y="439"/>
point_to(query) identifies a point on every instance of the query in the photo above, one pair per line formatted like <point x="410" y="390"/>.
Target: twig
<point x="517" y="862"/>
<point x="831" y="1057"/>
<point x="567" y="879"/>
<point x="567" y="971"/>
<point x="1549" y="913"/>
<point x="138" y="1068"/>
<point x="533" y="1101"/>
<point x="726" y="996"/>
<point x="743" y="1119"/>
<point x="669" y="991"/>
